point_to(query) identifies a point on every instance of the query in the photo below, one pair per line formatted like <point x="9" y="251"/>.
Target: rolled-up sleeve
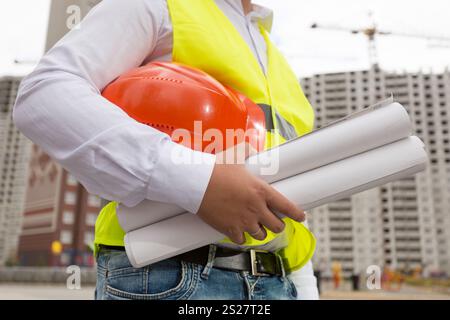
<point x="60" y="108"/>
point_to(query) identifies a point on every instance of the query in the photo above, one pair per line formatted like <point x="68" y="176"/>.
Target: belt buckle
<point x="254" y="263"/>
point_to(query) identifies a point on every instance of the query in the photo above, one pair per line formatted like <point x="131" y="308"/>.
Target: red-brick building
<point x="57" y="209"/>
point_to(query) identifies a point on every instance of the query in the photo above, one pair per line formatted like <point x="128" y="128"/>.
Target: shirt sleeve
<point x="305" y="282"/>
<point x="60" y="108"/>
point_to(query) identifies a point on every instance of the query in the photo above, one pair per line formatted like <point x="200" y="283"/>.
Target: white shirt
<point x="60" y="107"/>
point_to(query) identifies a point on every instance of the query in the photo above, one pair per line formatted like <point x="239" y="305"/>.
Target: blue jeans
<point x="172" y="279"/>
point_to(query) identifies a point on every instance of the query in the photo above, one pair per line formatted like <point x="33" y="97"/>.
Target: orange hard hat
<point x="169" y="96"/>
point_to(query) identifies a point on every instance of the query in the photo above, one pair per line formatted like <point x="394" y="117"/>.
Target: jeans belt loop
<point x="210" y="262"/>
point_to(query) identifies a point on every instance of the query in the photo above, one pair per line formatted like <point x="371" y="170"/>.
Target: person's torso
<point x="247" y="61"/>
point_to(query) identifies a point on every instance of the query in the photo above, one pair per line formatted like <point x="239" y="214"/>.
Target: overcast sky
<point x="23" y="26"/>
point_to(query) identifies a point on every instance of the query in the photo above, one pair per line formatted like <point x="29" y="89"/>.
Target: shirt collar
<point x="260" y="14"/>
<point x="263" y="15"/>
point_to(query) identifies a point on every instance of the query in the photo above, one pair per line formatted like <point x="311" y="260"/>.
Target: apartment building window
<point x="93" y="201"/>
<point x="90" y="219"/>
<point x="70" y="198"/>
<point x="88" y="238"/>
<point x="71" y="181"/>
<point x="66" y="237"/>
<point x="68" y="217"/>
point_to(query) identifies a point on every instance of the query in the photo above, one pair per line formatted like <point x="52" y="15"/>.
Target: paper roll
<point x="355" y="134"/>
<point x="308" y="190"/>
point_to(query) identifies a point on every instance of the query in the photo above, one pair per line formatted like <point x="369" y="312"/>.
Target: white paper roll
<point x="308" y="190"/>
<point x="360" y="132"/>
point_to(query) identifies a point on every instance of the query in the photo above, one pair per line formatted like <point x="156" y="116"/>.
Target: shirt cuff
<point x="181" y="176"/>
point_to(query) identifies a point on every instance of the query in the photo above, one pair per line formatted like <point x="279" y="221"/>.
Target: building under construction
<point x="405" y="224"/>
<point x="14" y="157"/>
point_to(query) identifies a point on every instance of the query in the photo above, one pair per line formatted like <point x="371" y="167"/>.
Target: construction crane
<point x="372" y="32"/>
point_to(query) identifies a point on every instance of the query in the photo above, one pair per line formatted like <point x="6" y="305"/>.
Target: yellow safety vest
<point x="203" y="37"/>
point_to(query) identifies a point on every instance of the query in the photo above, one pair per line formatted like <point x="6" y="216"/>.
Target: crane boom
<point x="373" y="31"/>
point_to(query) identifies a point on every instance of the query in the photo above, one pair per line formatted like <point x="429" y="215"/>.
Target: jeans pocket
<point x="293" y="288"/>
<point x="165" y="280"/>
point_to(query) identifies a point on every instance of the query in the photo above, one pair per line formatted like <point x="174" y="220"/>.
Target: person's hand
<point x="237" y="201"/>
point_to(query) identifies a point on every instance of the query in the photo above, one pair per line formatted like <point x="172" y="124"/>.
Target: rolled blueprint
<point x="361" y="131"/>
<point x="308" y="190"/>
<point x="357" y="133"/>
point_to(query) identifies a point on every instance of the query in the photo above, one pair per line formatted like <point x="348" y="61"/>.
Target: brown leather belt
<point x="256" y="262"/>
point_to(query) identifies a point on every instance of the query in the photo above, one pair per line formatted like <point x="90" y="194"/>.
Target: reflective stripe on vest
<point x="286" y="130"/>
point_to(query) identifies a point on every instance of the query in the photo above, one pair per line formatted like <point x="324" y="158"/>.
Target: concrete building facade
<point x="14" y="157"/>
<point x="403" y="224"/>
